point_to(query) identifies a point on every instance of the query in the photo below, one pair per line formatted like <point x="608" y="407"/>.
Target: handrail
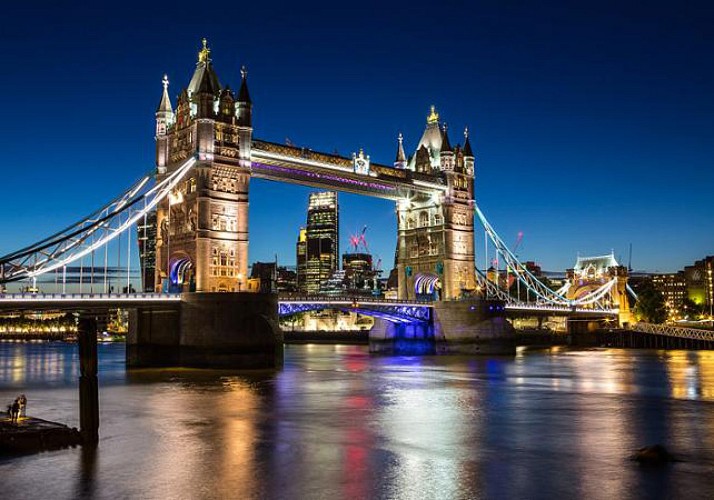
<point x="674" y="331"/>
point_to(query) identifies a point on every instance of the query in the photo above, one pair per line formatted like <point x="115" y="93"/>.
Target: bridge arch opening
<point x="181" y="275"/>
<point x="427" y="286"/>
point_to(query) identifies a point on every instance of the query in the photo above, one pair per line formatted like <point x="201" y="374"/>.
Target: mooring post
<point x="88" y="386"/>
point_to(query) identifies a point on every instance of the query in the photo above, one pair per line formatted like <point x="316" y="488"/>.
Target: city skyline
<point x="568" y="138"/>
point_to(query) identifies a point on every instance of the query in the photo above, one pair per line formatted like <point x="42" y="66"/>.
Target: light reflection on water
<point x="339" y="423"/>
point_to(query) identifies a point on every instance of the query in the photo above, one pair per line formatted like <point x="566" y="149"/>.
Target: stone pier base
<point x="473" y="327"/>
<point x="400" y="339"/>
<point x="211" y="330"/>
<point x="583" y="333"/>
<point x="457" y="327"/>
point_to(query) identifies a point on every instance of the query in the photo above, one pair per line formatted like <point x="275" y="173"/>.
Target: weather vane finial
<point x="205" y="52"/>
<point x="165" y="81"/>
<point x="433" y="116"/>
<point x="243" y="72"/>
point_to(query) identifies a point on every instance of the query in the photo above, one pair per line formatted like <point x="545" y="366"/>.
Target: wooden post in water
<point x="88" y="386"/>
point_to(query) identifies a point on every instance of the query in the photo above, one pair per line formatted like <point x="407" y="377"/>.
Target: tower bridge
<point x="197" y="199"/>
<point x="203" y="241"/>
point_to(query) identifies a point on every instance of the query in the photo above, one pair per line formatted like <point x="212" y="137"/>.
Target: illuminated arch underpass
<point x="394" y="312"/>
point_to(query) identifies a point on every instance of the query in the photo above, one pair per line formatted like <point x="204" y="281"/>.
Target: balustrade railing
<point x="38" y="297"/>
<point x="674" y="331"/>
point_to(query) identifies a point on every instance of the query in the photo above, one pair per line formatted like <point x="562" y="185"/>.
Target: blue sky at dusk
<point x="592" y="122"/>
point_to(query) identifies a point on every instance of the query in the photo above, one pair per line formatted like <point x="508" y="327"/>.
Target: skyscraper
<point x="146" y="237"/>
<point x="301" y="251"/>
<point x="322" y="249"/>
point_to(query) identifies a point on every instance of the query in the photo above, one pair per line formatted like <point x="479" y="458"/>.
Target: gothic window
<point x="215" y="251"/>
<point x="233" y="252"/>
<point x="224" y="259"/>
<point x="423" y="219"/>
<point x="437" y="219"/>
<point x="410" y="223"/>
<point x="413" y="249"/>
<point x="223" y="225"/>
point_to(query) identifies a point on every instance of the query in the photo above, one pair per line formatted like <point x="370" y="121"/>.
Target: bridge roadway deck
<point x="85" y="301"/>
<point x="550" y="310"/>
<point x="29" y="301"/>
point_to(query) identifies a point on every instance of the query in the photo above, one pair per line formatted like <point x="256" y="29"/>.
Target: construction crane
<point x="358" y="239"/>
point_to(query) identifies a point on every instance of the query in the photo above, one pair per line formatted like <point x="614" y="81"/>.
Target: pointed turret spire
<point x="467" y="144"/>
<point x="204" y="78"/>
<point x="243" y="94"/>
<point x="164" y="113"/>
<point x="401" y="157"/>
<point x="244" y="106"/>
<point x="445" y="144"/>
<point x="165" y="104"/>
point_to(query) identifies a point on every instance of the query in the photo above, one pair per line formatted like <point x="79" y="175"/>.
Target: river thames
<point x="336" y="422"/>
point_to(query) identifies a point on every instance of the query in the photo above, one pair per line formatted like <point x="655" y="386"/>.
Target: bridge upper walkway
<point x="279" y="162"/>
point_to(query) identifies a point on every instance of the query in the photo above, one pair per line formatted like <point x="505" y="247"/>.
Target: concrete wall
<point x="217" y="330"/>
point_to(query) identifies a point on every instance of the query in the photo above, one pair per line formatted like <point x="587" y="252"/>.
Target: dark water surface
<point x="338" y="423"/>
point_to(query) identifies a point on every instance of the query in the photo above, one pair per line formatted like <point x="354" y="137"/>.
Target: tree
<point x="691" y="310"/>
<point x="650" y="305"/>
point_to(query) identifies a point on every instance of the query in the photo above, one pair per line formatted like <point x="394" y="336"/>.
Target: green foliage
<point x="650" y="305"/>
<point x="691" y="309"/>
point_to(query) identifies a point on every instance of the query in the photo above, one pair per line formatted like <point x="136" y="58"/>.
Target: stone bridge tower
<point x="435" y="248"/>
<point x="591" y="273"/>
<point x="202" y="229"/>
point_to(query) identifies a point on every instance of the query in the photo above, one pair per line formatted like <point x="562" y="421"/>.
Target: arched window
<point x="423" y="219"/>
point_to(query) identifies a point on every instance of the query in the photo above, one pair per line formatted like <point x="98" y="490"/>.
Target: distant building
<point x="146" y="237"/>
<point x="533" y="268"/>
<point x="700" y="288"/>
<point x="336" y="284"/>
<point x="268" y="277"/>
<point x="673" y="287"/>
<point x="322" y="235"/>
<point x="287" y="280"/>
<point x="301" y="253"/>
<point x="359" y="274"/>
<point x="263" y="277"/>
<point x="694" y="283"/>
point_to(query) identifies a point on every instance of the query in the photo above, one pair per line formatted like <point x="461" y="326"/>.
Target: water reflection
<point x="339" y="423"/>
